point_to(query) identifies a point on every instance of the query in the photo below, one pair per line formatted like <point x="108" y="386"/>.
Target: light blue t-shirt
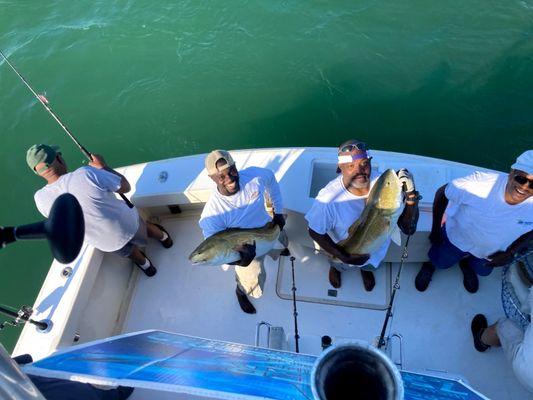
<point x="109" y="222"/>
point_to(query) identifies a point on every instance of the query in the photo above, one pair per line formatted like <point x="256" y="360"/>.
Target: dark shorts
<point x="446" y="255"/>
<point x="140" y="240"/>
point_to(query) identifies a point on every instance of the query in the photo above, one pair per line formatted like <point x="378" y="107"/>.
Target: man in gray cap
<point x="489" y="218"/>
<point x="340" y="203"/>
<point x="238" y="201"/>
<point x="110" y="225"/>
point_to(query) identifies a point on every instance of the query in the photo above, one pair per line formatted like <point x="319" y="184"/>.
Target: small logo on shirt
<point x="522" y="222"/>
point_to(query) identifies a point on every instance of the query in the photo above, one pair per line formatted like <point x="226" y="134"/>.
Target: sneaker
<point x="334" y="277"/>
<point x="470" y="280"/>
<point x="148" y="271"/>
<point x="479" y="324"/>
<point x="368" y="280"/>
<point x="167" y="243"/>
<point x="424" y="276"/>
<point x="245" y="304"/>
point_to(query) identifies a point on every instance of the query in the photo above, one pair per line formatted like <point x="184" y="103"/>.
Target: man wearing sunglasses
<point x="489" y="218"/>
<point x="110" y="225"/>
<point x="340" y="203"/>
<point x="238" y="201"/>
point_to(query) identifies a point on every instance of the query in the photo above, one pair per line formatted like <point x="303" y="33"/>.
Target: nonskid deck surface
<point x="434" y="325"/>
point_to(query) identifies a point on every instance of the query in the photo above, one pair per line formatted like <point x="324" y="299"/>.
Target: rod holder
<point x="355" y="370"/>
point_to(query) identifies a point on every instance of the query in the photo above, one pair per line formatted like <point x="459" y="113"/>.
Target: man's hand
<point x="354" y="259"/>
<point x="247" y="252"/>
<point x="97" y="161"/>
<point x="279" y="220"/>
<point x="500" y="258"/>
<point x="407" y="180"/>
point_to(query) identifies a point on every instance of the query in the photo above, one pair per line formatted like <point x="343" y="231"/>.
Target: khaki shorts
<point x="251" y="279"/>
<point x="140" y="239"/>
<point x="518" y="348"/>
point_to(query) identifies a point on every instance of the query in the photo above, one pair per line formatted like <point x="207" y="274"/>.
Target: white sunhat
<point x="524" y="162"/>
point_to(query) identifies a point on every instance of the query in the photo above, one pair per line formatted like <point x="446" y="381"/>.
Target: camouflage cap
<point x="41" y="153"/>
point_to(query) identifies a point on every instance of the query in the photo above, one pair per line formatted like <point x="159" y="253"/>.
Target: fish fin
<point x="396" y="236"/>
<point x="353" y="227"/>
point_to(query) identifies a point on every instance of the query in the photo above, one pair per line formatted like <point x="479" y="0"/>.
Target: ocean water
<point x="138" y="80"/>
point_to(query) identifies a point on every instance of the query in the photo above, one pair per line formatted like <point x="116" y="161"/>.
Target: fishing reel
<point x="21" y="317"/>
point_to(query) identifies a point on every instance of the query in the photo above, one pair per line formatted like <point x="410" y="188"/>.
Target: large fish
<point x="220" y="248"/>
<point x="378" y="221"/>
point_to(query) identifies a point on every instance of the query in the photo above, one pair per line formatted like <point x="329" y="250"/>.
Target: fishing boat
<point x="99" y="296"/>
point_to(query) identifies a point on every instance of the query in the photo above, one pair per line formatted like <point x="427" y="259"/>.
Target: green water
<point x="140" y="80"/>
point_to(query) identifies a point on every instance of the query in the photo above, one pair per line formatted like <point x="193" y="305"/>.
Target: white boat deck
<point x="105" y="296"/>
<point x="435" y="325"/>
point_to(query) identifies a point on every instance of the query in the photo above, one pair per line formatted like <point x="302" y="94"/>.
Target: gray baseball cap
<point x="212" y="159"/>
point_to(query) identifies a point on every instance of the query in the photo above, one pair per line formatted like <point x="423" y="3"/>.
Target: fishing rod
<point x="294" y="310"/>
<point x="45" y="103"/>
<point x="381" y="341"/>
<point x="21" y="316"/>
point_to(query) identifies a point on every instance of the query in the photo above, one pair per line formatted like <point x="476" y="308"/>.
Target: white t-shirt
<point x="478" y="220"/>
<point x="109" y="222"/>
<point x="244" y="209"/>
<point x="335" y="209"/>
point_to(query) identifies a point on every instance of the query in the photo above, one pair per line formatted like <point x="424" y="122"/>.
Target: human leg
<point x="158" y="232"/>
<point x="144" y="263"/>
<point x="518" y="348"/>
<point x="369" y="281"/>
<point x="250" y="281"/>
<point x="442" y="256"/>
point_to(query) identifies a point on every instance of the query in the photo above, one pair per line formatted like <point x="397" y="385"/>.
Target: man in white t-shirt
<point x="340" y="203"/>
<point x="489" y="218"/>
<point x="239" y="202"/>
<point x="110" y="225"/>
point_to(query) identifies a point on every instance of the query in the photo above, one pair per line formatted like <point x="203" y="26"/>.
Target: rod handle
<point x="126" y="200"/>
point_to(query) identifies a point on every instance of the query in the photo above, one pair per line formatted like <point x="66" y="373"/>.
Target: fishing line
<point x="381" y="341"/>
<point x="44" y="101"/>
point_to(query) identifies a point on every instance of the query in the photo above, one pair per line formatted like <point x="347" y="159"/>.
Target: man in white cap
<point x="489" y="218"/>
<point x="110" y="225"/>
<point x="340" y="203"/>
<point x="238" y="201"/>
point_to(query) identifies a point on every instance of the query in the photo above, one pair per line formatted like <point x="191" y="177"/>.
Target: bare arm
<point x="439" y="206"/>
<point x="326" y="243"/>
<point x="409" y="218"/>
<point x="99" y="162"/>
<point x="520" y="245"/>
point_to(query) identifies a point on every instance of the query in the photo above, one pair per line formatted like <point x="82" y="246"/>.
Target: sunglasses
<point x="354" y="146"/>
<point x="521" y="180"/>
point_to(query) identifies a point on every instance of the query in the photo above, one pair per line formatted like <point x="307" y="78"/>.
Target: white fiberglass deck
<point x="104" y="296"/>
<point x="435" y="325"/>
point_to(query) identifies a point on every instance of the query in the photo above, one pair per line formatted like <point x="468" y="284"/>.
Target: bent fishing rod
<point x="45" y="103"/>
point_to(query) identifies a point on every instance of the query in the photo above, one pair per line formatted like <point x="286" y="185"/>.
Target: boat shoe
<point x="167" y="243"/>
